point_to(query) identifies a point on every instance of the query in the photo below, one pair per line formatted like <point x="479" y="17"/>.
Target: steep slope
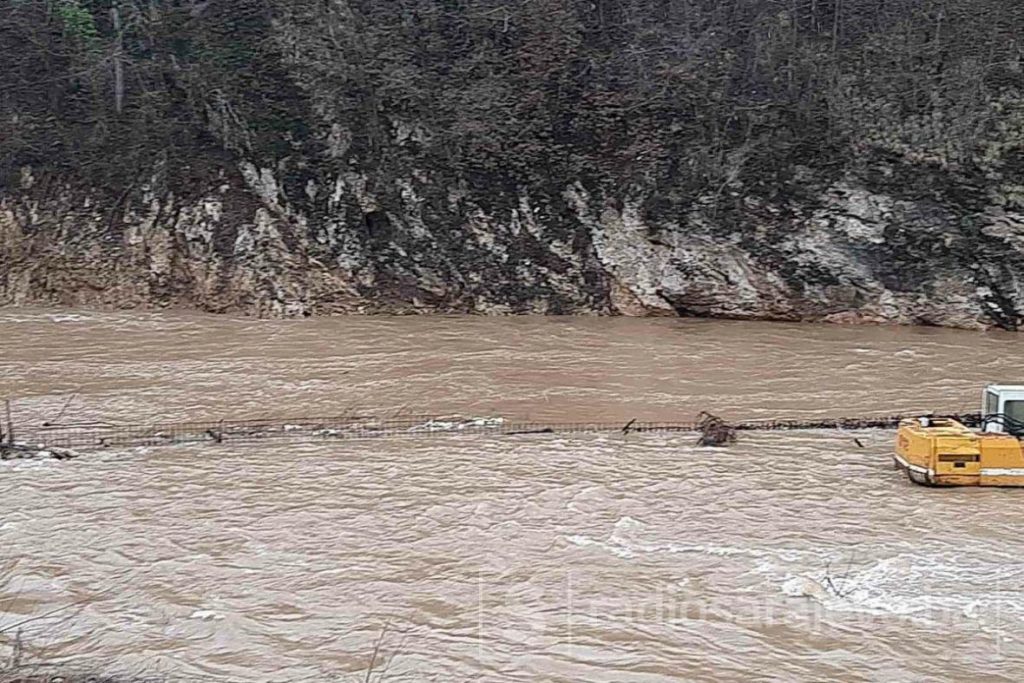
<point x="845" y="160"/>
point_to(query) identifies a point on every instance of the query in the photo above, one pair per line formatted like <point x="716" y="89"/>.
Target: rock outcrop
<point x="618" y="157"/>
<point x="240" y="244"/>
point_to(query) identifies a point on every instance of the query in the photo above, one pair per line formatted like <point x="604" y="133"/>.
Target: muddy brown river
<point x="603" y="557"/>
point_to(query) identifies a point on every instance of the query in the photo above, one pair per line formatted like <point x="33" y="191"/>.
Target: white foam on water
<point x="206" y="615"/>
<point x="69" y="318"/>
<point x="613" y="549"/>
<point x="625" y="525"/>
<point x="911" y="587"/>
<point x="714" y="550"/>
<point x="626" y="529"/>
<point x="970" y="610"/>
<point x="622" y="542"/>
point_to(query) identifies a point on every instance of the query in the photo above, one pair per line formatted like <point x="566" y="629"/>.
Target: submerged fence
<point x="98" y="436"/>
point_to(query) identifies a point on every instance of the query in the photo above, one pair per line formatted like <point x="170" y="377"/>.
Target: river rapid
<point x="789" y="556"/>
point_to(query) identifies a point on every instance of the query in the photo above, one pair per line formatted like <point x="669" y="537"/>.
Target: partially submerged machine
<point x="944" y="452"/>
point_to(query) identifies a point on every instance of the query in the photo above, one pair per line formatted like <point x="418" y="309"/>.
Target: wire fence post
<point x="10" y="422"/>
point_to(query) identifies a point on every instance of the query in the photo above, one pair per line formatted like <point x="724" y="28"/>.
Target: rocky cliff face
<point x="617" y="157"/>
<point x="240" y="243"/>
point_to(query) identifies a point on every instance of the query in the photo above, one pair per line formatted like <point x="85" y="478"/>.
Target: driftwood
<point x="714" y="431"/>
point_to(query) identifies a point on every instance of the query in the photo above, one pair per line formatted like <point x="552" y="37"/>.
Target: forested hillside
<point x="850" y="160"/>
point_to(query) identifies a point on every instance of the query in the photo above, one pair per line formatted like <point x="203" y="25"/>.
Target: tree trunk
<point x="835" y="26"/>
<point x="115" y="16"/>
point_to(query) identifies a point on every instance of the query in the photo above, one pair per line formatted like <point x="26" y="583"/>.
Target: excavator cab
<point x="1002" y="409"/>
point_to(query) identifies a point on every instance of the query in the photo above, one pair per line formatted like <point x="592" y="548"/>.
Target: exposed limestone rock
<point x="345" y="244"/>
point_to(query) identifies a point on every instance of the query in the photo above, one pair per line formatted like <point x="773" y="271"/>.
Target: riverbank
<point x="808" y="163"/>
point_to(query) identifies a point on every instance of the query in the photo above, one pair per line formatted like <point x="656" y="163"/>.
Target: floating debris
<point x="22" y="451"/>
<point x="714" y="431"/>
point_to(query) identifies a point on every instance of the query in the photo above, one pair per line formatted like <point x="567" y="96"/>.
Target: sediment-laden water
<point x="537" y="558"/>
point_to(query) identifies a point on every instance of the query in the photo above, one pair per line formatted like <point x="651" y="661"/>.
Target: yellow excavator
<point x="943" y="452"/>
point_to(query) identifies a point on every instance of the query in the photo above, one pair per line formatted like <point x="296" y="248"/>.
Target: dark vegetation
<point x="396" y="147"/>
<point x="699" y="100"/>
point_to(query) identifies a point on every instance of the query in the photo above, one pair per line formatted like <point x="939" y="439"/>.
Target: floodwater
<point x="790" y="556"/>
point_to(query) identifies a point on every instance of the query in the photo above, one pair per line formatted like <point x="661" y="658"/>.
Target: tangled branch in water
<point x="714" y="431"/>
